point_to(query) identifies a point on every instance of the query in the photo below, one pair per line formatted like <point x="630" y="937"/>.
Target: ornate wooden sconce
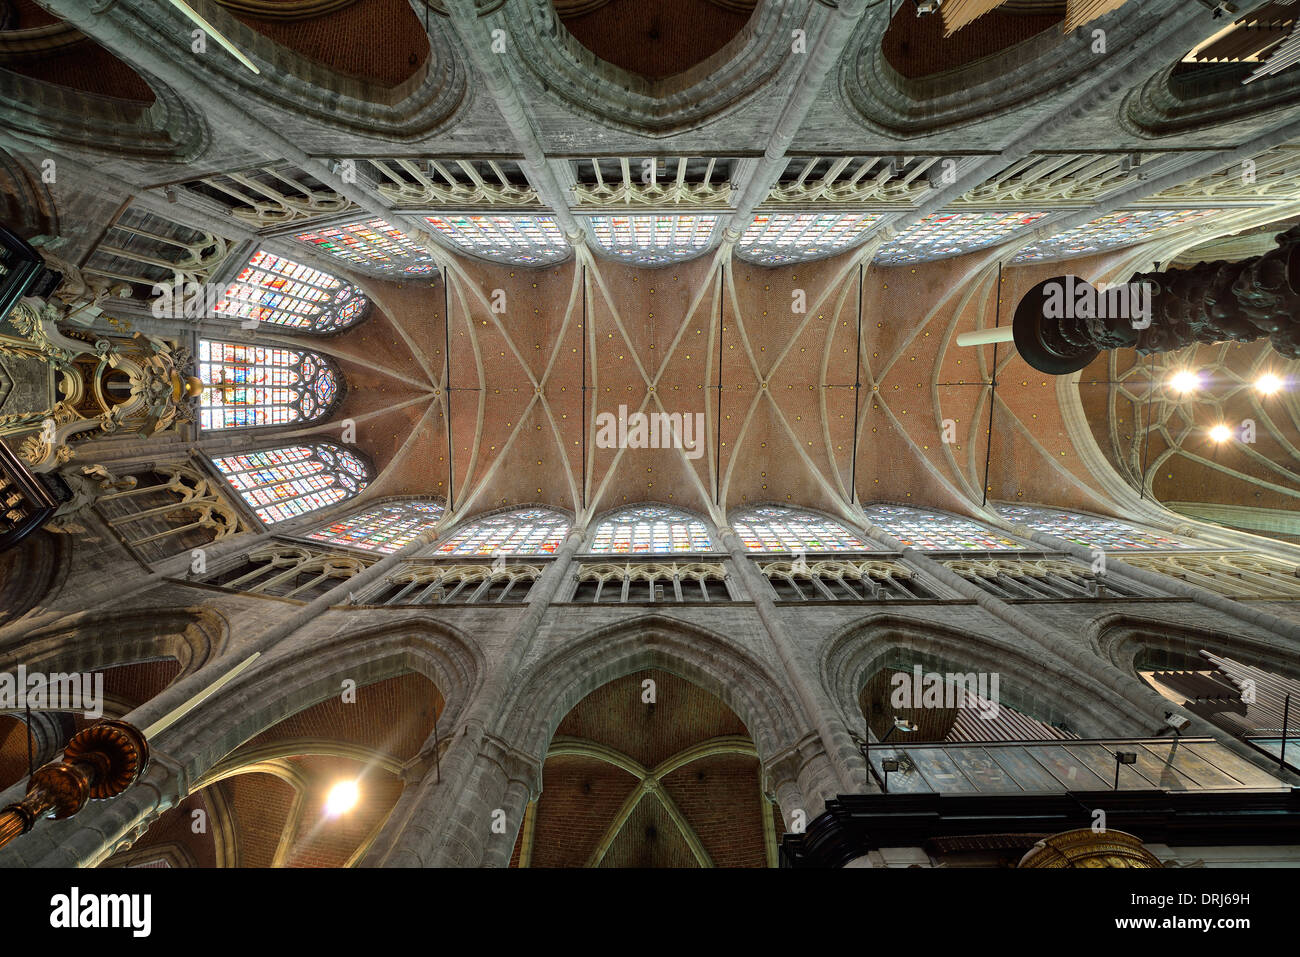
<point x="99" y="762"/>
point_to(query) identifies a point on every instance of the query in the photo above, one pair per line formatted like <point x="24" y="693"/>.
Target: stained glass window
<point x="920" y="528"/>
<point x="384" y="528"/>
<point x="527" y="531"/>
<point x="774" y="528"/>
<point x="528" y="240"/>
<point x="285" y="293"/>
<point x="374" y="243"/>
<point x="653" y="240"/>
<point x="776" y="238"/>
<point x="1124" y="228"/>
<point x="294" y="480"/>
<point x="650" y="529"/>
<point x="951" y="234"/>
<point x="250" y="385"/>
<point x="1090" y="530"/>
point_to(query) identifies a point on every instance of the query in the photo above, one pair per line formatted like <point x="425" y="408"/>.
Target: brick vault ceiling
<point x="672" y="783"/>
<point x="674" y="339"/>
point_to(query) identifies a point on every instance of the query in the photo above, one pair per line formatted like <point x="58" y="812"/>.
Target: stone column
<point x="838" y="767"/>
<point x="450" y="823"/>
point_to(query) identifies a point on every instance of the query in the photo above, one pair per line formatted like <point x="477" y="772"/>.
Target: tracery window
<point x="287" y="571"/>
<point x="423" y="584"/>
<point x="836" y="580"/>
<point x="775" y="528"/>
<point x="651" y="240"/>
<point x="1044" y="578"/>
<point x="657" y="581"/>
<point x="650" y="529"/>
<point x="526" y="531"/>
<point x="773" y="239"/>
<point x="1112" y="231"/>
<point x="527" y="240"/>
<point x="293" y="480"/>
<point x="375" y="243"/>
<point x="384" y="528"/>
<point x="262" y="385"/>
<point x="1233" y="574"/>
<point x="921" y="528"/>
<point x="951" y="234"/>
<point x="286" y="293"/>
<point x="1090" y="530"/>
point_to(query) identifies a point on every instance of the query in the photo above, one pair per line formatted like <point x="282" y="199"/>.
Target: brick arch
<point x="654" y="41"/>
<point x="916" y="47"/>
<point x="317" y="72"/>
<point x="71" y="90"/>
<point x="26" y="205"/>
<point x="553" y="686"/>
<point x="557" y="62"/>
<point x="1131" y="641"/>
<point x="28" y="573"/>
<point x="1028" y="685"/>
<point x="1037" y="67"/>
<point x="191" y="636"/>
<point x="676" y="783"/>
<point x="381" y="44"/>
<point x="1175" y="100"/>
<point x="282" y="687"/>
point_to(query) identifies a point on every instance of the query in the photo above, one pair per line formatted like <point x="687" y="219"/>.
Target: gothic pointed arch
<point x="553" y="59"/>
<point x="856" y="654"/>
<point x="288" y="294"/>
<point x="532" y="530"/>
<point x="935" y="530"/>
<point x="277" y="785"/>
<point x="781" y="528"/>
<point x="313" y="64"/>
<point x="292" y="480"/>
<point x="1235" y="79"/>
<point x="713" y="662"/>
<point x="649" y="528"/>
<point x="257" y="386"/>
<point x="61" y="86"/>
<point x="383" y="528"/>
<point x="899" y="76"/>
<point x="631" y="783"/>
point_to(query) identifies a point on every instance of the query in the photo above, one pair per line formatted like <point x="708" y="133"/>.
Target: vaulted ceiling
<point x="826" y="382"/>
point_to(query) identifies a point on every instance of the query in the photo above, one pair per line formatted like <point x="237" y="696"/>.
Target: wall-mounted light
<point x="1184" y="381"/>
<point x="342" y="798"/>
<point x="1220" y="433"/>
<point x="1123" y="757"/>
<point x="1269" y="384"/>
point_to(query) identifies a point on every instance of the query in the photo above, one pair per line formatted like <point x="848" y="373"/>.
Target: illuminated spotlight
<point x="1184" y="381"/>
<point x="1269" y="384"/>
<point x="342" y="798"/>
<point x="1220" y="433"/>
